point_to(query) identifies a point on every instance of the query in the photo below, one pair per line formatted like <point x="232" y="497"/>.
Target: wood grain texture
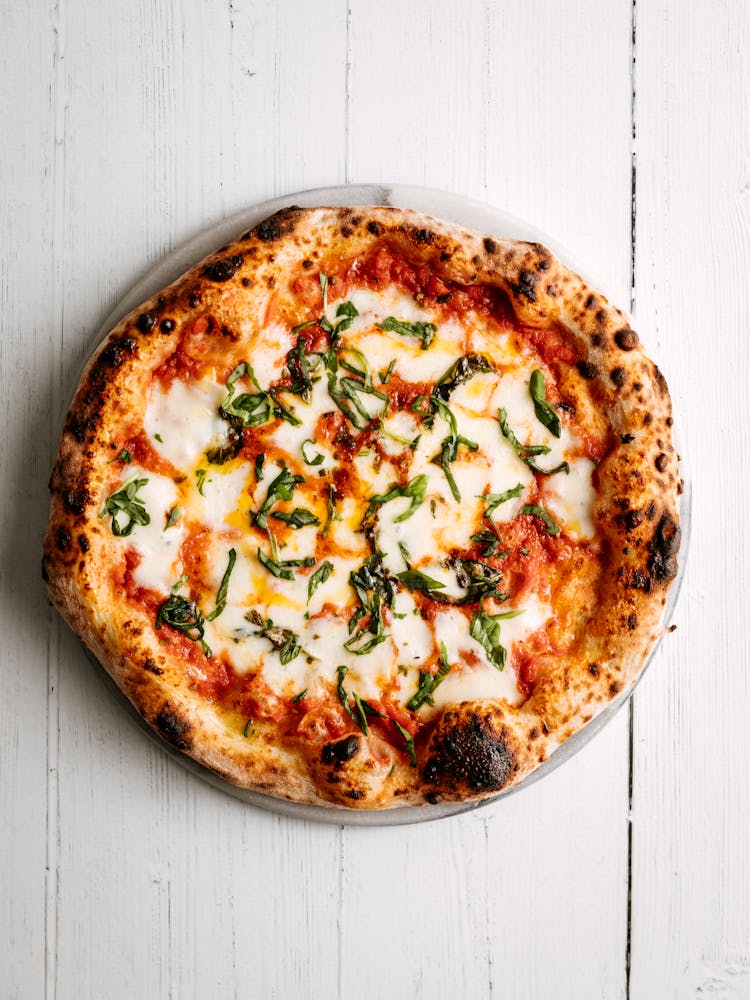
<point x="691" y="797"/>
<point x="129" y="128"/>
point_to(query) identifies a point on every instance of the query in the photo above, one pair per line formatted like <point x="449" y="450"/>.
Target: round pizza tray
<point x="474" y="215"/>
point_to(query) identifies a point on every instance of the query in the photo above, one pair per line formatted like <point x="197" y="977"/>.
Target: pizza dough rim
<point x="477" y="748"/>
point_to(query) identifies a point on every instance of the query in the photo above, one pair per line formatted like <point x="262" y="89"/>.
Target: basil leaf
<point x="526" y="451"/>
<point x="544" y="412"/>
<point x="319" y="458"/>
<point x="299" y="517"/>
<point x="460" y="371"/>
<point x="281" y="488"/>
<point x="341" y="672"/>
<point x="414" y="579"/>
<point x="486" y="630"/>
<point x="125" y="457"/>
<point x="298" y="697"/>
<point x="174" y="517"/>
<point x="424" y="332"/>
<point x="385" y="375"/>
<point x="490" y="542"/>
<point x="414" y="491"/>
<point x="253" y="409"/>
<point x="275" y="568"/>
<point x="283" y="640"/>
<point x="321" y="574"/>
<point x="200" y="475"/>
<point x="184" y="616"/>
<point x="221" y="596"/>
<point x="429" y="682"/>
<point x="331" y="513"/>
<point x="409" y="742"/>
<point x="259" y="460"/>
<point x="126" y="502"/>
<point x="493" y="500"/>
<point x="535" y="511"/>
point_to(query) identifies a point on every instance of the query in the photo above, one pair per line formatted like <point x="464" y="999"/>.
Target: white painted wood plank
<point x="691" y="864"/>
<point x="529" y="106"/>
<point x="26" y="317"/>
<point x="167" y="887"/>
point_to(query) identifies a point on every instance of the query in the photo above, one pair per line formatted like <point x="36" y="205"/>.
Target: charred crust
<point x="374" y="228"/>
<point x="174" y="728"/>
<point x="467" y="753"/>
<point x="614" y="688"/>
<point x="346" y="231"/>
<point x="341" y="751"/>
<point x="594" y="669"/>
<point x="194" y="301"/>
<point x="62" y="540"/>
<point x="113" y="354"/>
<point x="626" y="339"/>
<point x="76" y="500"/>
<point x="526" y="285"/>
<point x="632" y="519"/>
<point x="632" y="621"/>
<point x="433" y="798"/>
<point x="146" y="321"/>
<point x="661" y="461"/>
<point x="590" y="303"/>
<point x="444" y="256"/>
<point x="596" y="339"/>
<point x="618" y="376"/>
<point x="83" y="543"/>
<point x="167" y="325"/>
<point x="424" y="236"/>
<point x="355" y="794"/>
<point x="307" y="263"/>
<point x="150" y="665"/>
<point x="627" y="438"/>
<point x="586" y="370"/>
<point x="639" y="580"/>
<point x="224" y="268"/>
<point x="664" y="547"/>
<point x="660" y="381"/>
<point x="489" y="245"/>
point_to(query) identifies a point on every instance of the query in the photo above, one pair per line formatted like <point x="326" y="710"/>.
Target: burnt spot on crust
<point x="661" y="461"/>
<point x="341" y="751"/>
<point x="166" y="325"/>
<point x="374" y="228"/>
<point x="62" y="540"/>
<point x="640" y="580"/>
<point x="633" y="621"/>
<point x="174" y="728"/>
<point x="660" y="381"/>
<point x="424" y="236"/>
<point x="354" y="793"/>
<point x="146" y="321"/>
<point x="275" y="227"/>
<point x="114" y="352"/>
<point x="224" y="268"/>
<point x="489" y="245"/>
<point x="83" y="542"/>
<point x="614" y="688"/>
<point x="632" y="519"/>
<point x="626" y="339"/>
<point x="194" y="301"/>
<point x="526" y="285"/>
<point x="307" y="263"/>
<point x="76" y="500"/>
<point x="618" y="376"/>
<point x="594" y="669"/>
<point x="346" y="231"/>
<point x="664" y="547"/>
<point x="151" y="667"/>
<point x="433" y="798"/>
<point x="466" y="752"/>
<point x="586" y="369"/>
<point x="590" y="302"/>
<point x="627" y="438"/>
<point x="596" y="339"/>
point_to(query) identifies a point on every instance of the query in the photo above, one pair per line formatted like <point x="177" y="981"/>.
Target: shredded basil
<point x="429" y="682"/>
<point x="409" y="740"/>
<point x="282" y="568"/>
<point x="317" y="460"/>
<point x="331" y="513"/>
<point x="544" y="412"/>
<point x="126" y="503"/>
<point x="424" y="332"/>
<point x="460" y="371"/>
<point x="125" y="457"/>
<point x="283" y="640"/>
<point x="298" y="518"/>
<point x="527" y="452"/>
<point x="200" y="475"/>
<point x="385" y="375"/>
<point x="259" y="460"/>
<point x="535" y="511"/>
<point x="253" y="409"/>
<point x="414" y="579"/>
<point x="414" y="491"/>
<point x="184" y="616"/>
<point x="299" y="697"/>
<point x="493" y="500"/>
<point x="319" y="577"/>
<point x="280" y="488"/>
<point x="174" y="517"/>
<point x="221" y="596"/>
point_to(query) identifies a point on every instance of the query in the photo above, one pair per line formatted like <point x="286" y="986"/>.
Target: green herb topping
<point x="535" y="511"/>
<point x="544" y="412"/>
<point x="126" y="503"/>
<point x="424" y="332"/>
<point x="183" y="615"/>
<point x="221" y="596"/>
<point x="527" y="452"/>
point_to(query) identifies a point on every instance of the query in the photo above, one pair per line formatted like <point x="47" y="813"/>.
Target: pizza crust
<point x="477" y="748"/>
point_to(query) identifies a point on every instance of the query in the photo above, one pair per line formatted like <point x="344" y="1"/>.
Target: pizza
<point x="367" y="509"/>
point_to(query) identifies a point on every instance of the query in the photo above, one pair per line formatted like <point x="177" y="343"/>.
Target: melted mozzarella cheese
<point x="183" y="420"/>
<point x="158" y="547"/>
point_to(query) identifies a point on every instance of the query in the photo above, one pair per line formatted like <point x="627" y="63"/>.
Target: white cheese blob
<point x="182" y="421"/>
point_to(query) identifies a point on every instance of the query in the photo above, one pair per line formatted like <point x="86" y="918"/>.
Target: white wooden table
<point x="623" y="129"/>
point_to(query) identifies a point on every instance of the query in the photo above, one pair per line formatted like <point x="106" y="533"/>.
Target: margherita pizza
<point x="368" y="510"/>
